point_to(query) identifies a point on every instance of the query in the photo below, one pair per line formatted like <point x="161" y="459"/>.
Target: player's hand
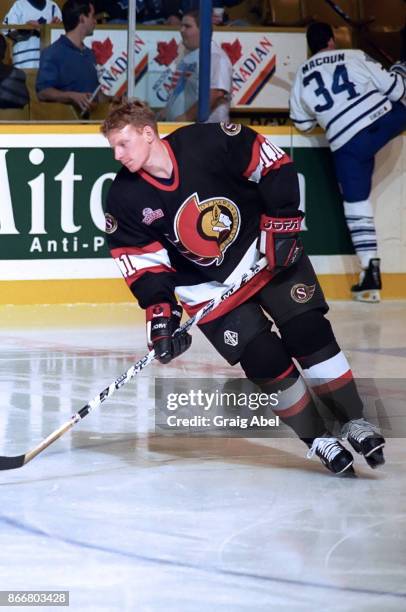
<point x="279" y="241"/>
<point x="162" y="321"/>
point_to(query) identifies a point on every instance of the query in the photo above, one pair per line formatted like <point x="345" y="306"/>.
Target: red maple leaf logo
<point x="103" y="50"/>
<point x="233" y="50"/>
<point x="167" y="52"/>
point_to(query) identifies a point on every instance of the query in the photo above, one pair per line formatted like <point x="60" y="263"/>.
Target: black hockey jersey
<point x="196" y="233"/>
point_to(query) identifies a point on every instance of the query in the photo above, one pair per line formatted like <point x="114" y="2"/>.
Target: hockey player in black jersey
<point x="188" y="215"/>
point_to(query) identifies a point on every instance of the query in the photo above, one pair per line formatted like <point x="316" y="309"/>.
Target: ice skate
<point x="367" y="289"/>
<point x="332" y="454"/>
<point x="365" y="439"/>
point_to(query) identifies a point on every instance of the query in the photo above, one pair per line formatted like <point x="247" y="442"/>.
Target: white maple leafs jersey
<point x="26" y="53"/>
<point x="344" y="91"/>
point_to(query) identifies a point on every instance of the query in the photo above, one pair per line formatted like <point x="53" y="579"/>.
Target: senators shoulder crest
<point x="231" y="129"/>
<point x="110" y="224"/>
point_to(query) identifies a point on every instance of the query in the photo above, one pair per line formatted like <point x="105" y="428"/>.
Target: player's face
<point x="131" y="145"/>
<point x="190" y="33"/>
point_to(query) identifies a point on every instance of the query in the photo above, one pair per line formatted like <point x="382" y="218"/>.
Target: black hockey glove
<point x="279" y="241"/>
<point x="162" y="320"/>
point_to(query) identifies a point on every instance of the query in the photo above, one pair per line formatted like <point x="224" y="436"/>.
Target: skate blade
<point x="349" y="469"/>
<point x="348" y="473"/>
<point x="371" y="295"/>
<point x="376" y="457"/>
<point x="375" y="463"/>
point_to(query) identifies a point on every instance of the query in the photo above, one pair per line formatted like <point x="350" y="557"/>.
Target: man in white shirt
<point x="183" y="103"/>
<point x="358" y="103"/>
<point x="26" y="49"/>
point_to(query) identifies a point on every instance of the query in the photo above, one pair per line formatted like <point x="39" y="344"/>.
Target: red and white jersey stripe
<point x="266" y="156"/>
<point x="133" y="262"/>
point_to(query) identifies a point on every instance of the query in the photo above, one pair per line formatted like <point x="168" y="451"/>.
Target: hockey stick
<point x="10" y="463"/>
<point x="360" y="26"/>
<point x="355" y="24"/>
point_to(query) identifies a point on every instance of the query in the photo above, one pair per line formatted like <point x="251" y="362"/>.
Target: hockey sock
<point x="360" y="221"/>
<point x="332" y="381"/>
<point x="296" y="407"/>
<point x="267" y="364"/>
<point x="310" y="339"/>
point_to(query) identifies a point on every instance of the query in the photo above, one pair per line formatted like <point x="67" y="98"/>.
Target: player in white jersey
<point x="358" y="103"/>
<point x="26" y="50"/>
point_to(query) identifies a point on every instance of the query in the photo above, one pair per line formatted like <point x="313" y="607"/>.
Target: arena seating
<point x="389" y="14"/>
<point x="320" y="11"/>
<point x="282" y="13"/>
<point x="15" y="114"/>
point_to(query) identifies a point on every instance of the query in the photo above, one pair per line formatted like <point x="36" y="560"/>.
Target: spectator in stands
<point x="115" y="10"/>
<point x="193" y="5"/>
<point x="220" y="16"/>
<point x="26" y="50"/>
<point x="159" y="12"/>
<point x="149" y="12"/>
<point x="162" y="12"/>
<point x="13" y="90"/>
<point x="67" y="71"/>
<point x="183" y="102"/>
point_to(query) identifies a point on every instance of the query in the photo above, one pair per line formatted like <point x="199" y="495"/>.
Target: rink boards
<point x="53" y="184"/>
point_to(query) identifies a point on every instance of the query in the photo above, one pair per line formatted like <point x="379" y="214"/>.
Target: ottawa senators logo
<point x="231" y="129"/>
<point x="111" y="224"/>
<point x="205" y="230"/>
<point x="302" y="293"/>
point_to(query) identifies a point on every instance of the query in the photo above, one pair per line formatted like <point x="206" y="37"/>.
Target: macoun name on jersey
<point x="318" y="61"/>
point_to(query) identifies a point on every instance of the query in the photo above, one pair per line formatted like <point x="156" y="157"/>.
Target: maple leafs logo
<point x="233" y="50"/>
<point x="103" y="50"/>
<point x="167" y="52"/>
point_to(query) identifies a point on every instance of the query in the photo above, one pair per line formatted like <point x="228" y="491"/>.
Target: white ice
<point x="125" y="519"/>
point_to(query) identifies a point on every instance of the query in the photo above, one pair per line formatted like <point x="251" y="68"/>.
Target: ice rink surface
<point x="125" y="519"/>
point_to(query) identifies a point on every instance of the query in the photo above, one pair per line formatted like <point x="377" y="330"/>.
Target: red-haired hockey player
<point x="189" y="214"/>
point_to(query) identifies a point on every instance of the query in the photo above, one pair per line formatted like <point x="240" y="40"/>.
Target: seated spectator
<point x="159" y="12"/>
<point x="183" y="102"/>
<point x="13" y="89"/>
<point x="162" y="12"/>
<point x="26" y="50"/>
<point x="220" y="16"/>
<point x="67" y="71"/>
<point x="149" y="12"/>
<point x="116" y="11"/>
<point x="193" y="5"/>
